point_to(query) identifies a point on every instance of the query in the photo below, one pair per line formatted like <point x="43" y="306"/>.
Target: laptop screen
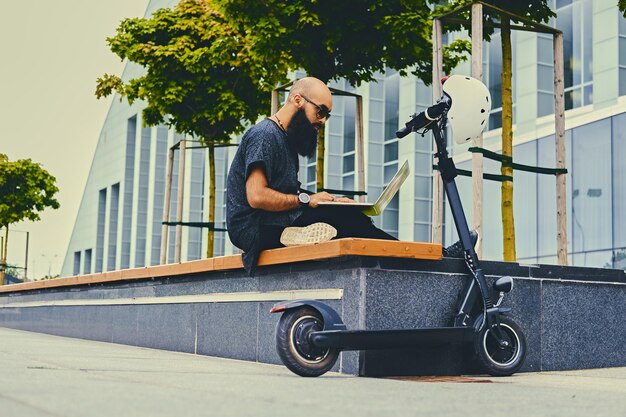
<point x="390" y="191"/>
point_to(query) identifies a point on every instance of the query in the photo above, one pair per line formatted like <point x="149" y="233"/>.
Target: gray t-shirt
<point x="264" y="144"/>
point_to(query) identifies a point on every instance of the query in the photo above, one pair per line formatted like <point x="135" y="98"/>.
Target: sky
<point x="51" y="53"/>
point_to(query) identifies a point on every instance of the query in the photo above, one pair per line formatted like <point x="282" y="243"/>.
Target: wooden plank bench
<point x="326" y="250"/>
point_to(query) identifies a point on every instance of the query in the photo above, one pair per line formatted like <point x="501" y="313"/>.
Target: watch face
<point x="304" y="198"/>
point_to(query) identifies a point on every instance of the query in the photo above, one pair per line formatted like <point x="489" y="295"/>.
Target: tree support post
<point x="26" y="257"/>
<point x="437" y="210"/>
<point x="477" y="158"/>
<point x="559" y="137"/>
<point x="166" y="205"/>
<point x="360" y="148"/>
<point x="3" y="255"/>
<point x="181" y="194"/>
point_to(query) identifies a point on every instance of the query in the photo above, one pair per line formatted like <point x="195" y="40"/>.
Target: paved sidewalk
<point x="42" y="375"/>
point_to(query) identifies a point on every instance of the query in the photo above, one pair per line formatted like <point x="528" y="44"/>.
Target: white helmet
<point x="471" y="105"/>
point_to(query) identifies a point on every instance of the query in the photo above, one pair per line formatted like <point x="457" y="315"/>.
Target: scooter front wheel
<point x="497" y="360"/>
<point x="295" y="348"/>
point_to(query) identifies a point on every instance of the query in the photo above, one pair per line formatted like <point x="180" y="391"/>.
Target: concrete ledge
<point x="572" y="317"/>
<point x="330" y="249"/>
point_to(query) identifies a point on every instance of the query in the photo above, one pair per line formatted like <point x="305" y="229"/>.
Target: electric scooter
<point x="310" y="334"/>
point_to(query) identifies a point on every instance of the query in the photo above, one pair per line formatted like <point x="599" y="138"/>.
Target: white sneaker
<point x="307" y="235"/>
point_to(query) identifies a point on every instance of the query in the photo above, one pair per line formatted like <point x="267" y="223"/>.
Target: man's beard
<point x="301" y="135"/>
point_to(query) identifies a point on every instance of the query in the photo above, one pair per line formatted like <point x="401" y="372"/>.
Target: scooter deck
<point x="388" y="339"/>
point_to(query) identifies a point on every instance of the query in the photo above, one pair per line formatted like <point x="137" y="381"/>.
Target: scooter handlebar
<point x="423" y="119"/>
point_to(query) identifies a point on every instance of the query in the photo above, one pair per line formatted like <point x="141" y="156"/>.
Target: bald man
<point x="265" y="206"/>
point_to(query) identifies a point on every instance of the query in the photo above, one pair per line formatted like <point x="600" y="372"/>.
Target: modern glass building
<point x="119" y="220"/>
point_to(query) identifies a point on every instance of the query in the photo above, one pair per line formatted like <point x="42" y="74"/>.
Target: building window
<point x="574" y="19"/>
<point x="129" y="178"/>
<point x="77" y="263"/>
<point x="349" y="142"/>
<point x="113" y="221"/>
<point x="622" y="55"/>
<point x="591" y="190"/>
<point x="196" y="201"/>
<point x="545" y="75"/>
<point x="159" y="193"/>
<point x="173" y="202"/>
<point x="310" y="176"/>
<point x="87" y="262"/>
<point x="102" y="204"/>
<point x="390" y="148"/>
<point x="142" y="197"/>
<point x="221" y="174"/>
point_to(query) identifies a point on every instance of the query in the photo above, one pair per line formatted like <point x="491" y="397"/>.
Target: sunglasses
<point x="322" y="111"/>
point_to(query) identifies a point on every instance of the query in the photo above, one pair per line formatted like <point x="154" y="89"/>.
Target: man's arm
<point x="260" y="196"/>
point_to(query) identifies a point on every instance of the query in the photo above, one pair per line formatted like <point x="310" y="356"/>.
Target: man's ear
<point x="297" y="100"/>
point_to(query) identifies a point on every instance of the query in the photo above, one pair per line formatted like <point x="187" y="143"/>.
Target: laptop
<point x="375" y="209"/>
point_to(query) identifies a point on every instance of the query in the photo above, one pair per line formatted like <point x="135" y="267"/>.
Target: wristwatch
<point x="304" y="199"/>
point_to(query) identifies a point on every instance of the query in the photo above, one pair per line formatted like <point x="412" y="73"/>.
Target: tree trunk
<point x="321" y="146"/>
<point x="211" y="232"/>
<point x="508" y="223"/>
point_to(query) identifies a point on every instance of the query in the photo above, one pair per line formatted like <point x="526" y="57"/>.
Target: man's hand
<point x="260" y="196"/>
<point x="324" y="196"/>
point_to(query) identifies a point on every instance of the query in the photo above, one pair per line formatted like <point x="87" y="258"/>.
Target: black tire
<point x="294" y="348"/>
<point x="498" y="361"/>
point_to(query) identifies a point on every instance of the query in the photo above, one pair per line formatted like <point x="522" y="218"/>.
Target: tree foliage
<point x="26" y="189"/>
<point x="352" y="40"/>
<point x="536" y="10"/>
<point x="202" y="75"/>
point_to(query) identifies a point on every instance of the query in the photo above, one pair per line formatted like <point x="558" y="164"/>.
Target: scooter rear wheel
<point x="497" y="360"/>
<point x="295" y="348"/>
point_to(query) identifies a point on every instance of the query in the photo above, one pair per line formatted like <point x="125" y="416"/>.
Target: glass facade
<point x="596" y="189"/>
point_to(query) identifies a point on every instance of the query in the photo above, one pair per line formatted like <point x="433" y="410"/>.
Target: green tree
<point x="26" y="189"/>
<point x="535" y="10"/>
<point x="203" y="75"/>
<point x="353" y="40"/>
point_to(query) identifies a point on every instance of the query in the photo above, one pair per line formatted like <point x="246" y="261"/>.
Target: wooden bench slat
<point x="326" y="250"/>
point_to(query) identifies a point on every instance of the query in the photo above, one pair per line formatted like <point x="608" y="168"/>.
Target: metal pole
<point x="559" y="137"/>
<point x="477" y="158"/>
<point x="360" y="147"/>
<point x="166" y="205"/>
<point x="437" y="210"/>
<point x="181" y="193"/>
<point x="26" y="257"/>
